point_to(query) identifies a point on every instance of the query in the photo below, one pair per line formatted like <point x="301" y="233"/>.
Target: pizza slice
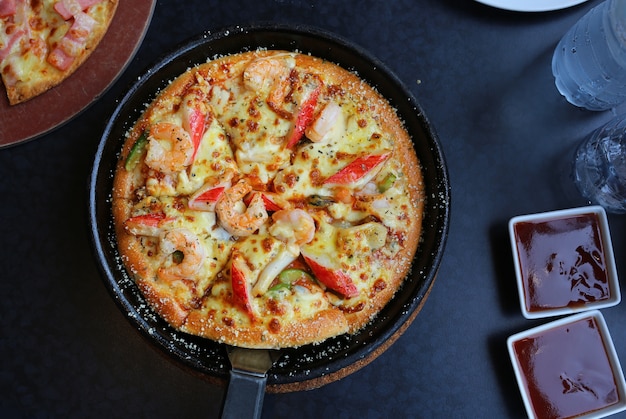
<point x="42" y="43"/>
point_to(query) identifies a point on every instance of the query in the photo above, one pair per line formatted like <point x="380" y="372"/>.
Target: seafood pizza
<point x="268" y="199"/>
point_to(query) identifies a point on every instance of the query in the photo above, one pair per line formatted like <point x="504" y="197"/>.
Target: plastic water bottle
<point x="599" y="170"/>
<point x="589" y="63"/>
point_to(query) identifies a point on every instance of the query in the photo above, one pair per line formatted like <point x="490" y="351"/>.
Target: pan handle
<point x="244" y="396"/>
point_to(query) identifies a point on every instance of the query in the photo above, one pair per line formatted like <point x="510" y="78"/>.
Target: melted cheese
<point x="255" y="131"/>
<point x="214" y="159"/>
<point x="27" y="57"/>
<point x="351" y="251"/>
<point x="315" y="162"/>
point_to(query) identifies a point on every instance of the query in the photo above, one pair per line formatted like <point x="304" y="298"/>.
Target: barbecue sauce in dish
<point x="562" y="262"/>
<point x="567" y="370"/>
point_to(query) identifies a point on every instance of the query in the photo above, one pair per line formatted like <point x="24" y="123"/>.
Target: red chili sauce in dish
<point x="562" y="262"/>
<point x="567" y="370"/>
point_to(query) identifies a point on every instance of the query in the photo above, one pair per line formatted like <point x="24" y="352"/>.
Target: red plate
<point x="57" y="106"/>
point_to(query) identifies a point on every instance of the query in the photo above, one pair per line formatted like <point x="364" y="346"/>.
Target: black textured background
<point x="483" y="78"/>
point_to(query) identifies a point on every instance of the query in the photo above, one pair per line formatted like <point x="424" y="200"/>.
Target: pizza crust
<point x="323" y="325"/>
<point x="209" y="306"/>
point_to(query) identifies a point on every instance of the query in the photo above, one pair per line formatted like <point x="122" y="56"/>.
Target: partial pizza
<point x="268" y="199"/>
<point x="42" y="42"/>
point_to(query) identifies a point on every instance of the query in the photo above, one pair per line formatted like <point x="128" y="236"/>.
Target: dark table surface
<point x="483" y="78"/>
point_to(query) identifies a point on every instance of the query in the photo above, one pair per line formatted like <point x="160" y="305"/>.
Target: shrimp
<point x="232" y="214"/>
<point x="324" y="122"/>
<point x="170" y="148"/>
<point x="182" y="254"/>
<point x="293" y="226"/>
<point x="270" y="75"/>
<point x="263" y="73"/>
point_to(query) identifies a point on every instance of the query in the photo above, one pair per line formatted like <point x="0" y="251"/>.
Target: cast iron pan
<point x="308" y="366"/>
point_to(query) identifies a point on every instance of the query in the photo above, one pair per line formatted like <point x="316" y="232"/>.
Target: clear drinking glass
<point x="599" y="168"/>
